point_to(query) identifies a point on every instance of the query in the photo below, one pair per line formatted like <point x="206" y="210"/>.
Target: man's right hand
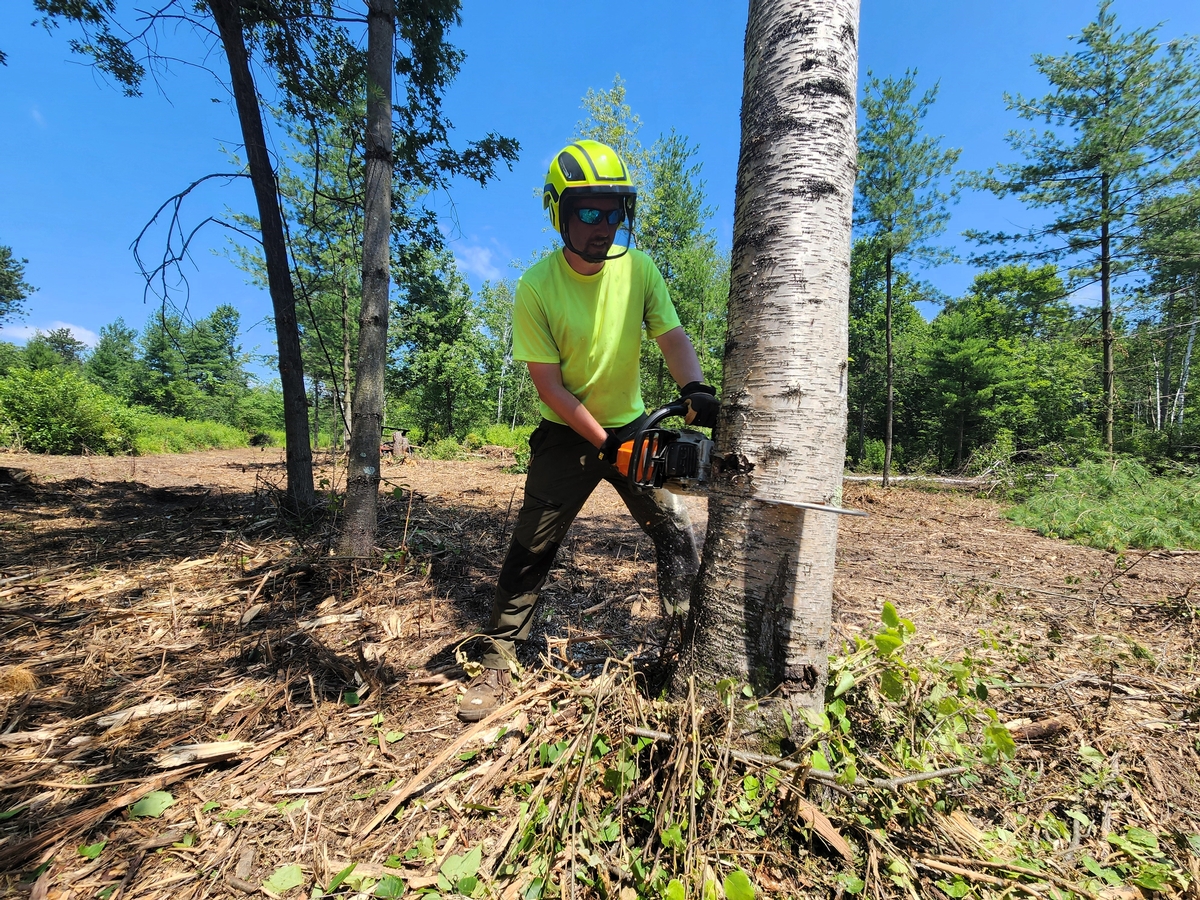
<point x="702" y="404"/>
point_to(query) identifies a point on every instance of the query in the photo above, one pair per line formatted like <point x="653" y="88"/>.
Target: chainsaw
<point x="677" y="459"/>
<point x="681" y="460"/>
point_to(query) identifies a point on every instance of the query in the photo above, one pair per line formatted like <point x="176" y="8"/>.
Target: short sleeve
<point x="660" y="316"/>
<point x="532" y="340"/>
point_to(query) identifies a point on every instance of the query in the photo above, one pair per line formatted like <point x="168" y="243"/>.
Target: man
<point x="577" y="324"/>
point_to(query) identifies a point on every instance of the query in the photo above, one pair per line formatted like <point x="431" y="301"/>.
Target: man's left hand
<point x="702" y="404"/>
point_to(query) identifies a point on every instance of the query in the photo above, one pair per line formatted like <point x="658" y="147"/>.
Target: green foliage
<point x="159" y="434"/>
<point x="901" y="170"/>
<point x="113" y="362"/>
<point x="446" y="448"/>
<point x="284" y="879"/>
<point x="57" y="411"/>
<point x="438" y="348"/>
<point x="1116" y="506"/>
<point x="92" y="851"/>
<point x="11" y="357"/>
<point x="908" y="716"/>
<point x="153" y="805"/>
<point x="14" y="290"/>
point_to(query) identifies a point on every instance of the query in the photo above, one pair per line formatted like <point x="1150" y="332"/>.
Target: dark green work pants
<point x="564" y="469"/>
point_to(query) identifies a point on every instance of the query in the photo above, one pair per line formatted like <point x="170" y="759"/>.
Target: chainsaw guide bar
<point x="681" y="460"/>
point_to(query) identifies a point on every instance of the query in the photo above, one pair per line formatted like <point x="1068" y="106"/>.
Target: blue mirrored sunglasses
<point x="589" y="216"/>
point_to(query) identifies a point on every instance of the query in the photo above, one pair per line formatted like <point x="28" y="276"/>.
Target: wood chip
<point x="147" y="710"/>
<point x="190" y="753"/>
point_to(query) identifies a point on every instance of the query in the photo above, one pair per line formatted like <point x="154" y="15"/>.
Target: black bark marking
<point x="811" y="189"/>
<point x="790" y="28"/>
<point x="754" y="239"/>
<point x="829" y="86"/>
<point x="792" y="392"/>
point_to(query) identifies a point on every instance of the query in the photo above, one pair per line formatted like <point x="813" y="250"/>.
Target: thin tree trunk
<point x="362" y="468"/>
<point x="1106" y="331"/>
<point x="1165" y="392"/>
<point x="761" y="610"/>
<point x="891" y="370"/>
<point x="344" y="399"/>
<point x="1156" y="398"/>
<point x="316" y="433"/>
<point x="1185" y="368"/>
<point x="227" y="15"/>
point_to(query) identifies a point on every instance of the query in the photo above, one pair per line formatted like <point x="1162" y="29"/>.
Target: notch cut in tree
<point x="761" y="610"/>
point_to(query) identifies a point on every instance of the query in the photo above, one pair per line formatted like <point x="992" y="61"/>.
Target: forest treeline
<point x="1018" y="365"/>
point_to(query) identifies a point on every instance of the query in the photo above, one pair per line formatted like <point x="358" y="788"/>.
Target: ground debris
<point x="306" y="708"/>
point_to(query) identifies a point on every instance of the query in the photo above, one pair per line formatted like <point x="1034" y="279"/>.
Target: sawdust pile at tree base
<point x="221" y="705"/>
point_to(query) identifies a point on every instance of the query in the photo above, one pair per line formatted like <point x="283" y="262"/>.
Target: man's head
<point x="590" y="198"/>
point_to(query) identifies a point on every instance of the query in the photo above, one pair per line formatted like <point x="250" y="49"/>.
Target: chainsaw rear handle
<point x="644" y="461"/>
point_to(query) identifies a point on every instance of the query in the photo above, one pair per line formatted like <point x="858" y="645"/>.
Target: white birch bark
<point x="1185" y="369"/>
<point x="762" y="605"/>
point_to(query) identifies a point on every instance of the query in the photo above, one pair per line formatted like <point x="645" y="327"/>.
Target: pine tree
<point x="900" y="176"/>
<point x="1123" y="113"/>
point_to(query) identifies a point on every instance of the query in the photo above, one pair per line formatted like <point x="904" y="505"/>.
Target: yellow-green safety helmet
<point x="586" y="168"/>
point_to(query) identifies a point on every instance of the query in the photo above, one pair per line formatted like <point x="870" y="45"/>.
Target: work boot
<point x="486" y="693"/>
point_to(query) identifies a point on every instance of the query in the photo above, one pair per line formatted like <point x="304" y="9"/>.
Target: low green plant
<point x="1115" y="506"/>
<point x="501" y="435"/>
<point x="446" y="448"/>
<point x="159" y="434"/>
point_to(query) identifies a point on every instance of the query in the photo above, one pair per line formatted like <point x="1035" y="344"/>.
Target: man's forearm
<point x="680" y="356"/>
<point x="548" y="381"/>
<point x="575" y="414"/>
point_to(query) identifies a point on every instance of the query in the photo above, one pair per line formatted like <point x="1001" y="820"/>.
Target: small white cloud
<point x="478" y="261"/>
<point x="22" y="333"/>
<point x="36" y="115"/>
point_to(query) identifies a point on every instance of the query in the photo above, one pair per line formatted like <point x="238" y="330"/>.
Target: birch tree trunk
<point x="762" y="604"/>
<point x="1185" y="369"/>
<point x="227" y="15"/>
<point x="366" y="425"/>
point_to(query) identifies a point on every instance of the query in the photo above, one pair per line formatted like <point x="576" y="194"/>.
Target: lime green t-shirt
<point x="591" y="325"/>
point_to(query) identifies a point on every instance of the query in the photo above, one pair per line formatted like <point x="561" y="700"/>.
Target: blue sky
<point x="85" y="168"/>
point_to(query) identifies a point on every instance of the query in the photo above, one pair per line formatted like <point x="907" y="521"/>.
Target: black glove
<point x="701" y="401"/>
<point x="608" y="450"/>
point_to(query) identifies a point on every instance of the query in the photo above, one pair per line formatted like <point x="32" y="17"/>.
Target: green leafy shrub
<point x="57" y="411"/>
<point x="1114" y="506"/>
<point x="503" y="436"/>
<point x="446" y="448"/>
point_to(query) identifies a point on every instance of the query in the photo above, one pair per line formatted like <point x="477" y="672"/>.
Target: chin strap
<point x="586" y="257"/>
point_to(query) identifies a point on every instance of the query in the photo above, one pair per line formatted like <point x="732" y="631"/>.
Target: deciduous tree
<point x="761" y="611"/>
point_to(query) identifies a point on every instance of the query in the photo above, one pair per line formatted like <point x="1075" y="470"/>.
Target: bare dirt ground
<point x="161" y="601"/>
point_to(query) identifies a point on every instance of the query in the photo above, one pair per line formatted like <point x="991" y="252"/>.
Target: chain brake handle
<point x="645" y="459"/>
